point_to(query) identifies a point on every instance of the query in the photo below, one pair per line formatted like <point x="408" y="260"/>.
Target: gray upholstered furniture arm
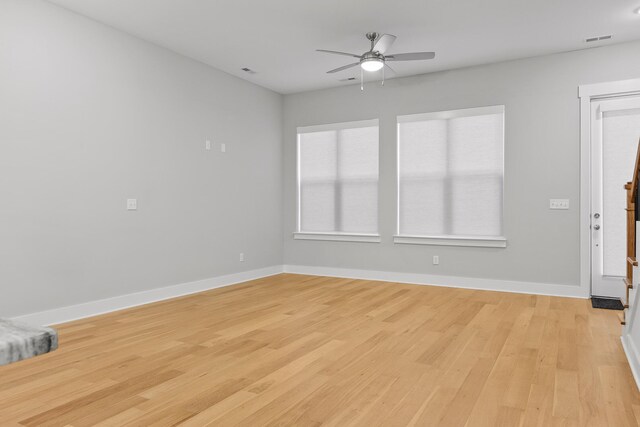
<point x="20" y="341"/>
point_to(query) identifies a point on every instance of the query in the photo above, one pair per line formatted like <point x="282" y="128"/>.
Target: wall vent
<point x="598" y="38"/>
<point x="248" y="70"/>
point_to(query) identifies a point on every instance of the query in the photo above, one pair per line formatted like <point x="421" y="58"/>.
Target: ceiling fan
<point x="375" y="59"/>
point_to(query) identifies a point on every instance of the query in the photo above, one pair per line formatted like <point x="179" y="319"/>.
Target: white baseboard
<point x="93" y="308"/>
<point x="633" y="357"/>
<point x="446" y="281"/>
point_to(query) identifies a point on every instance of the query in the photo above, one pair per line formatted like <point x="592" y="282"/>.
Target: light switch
<point x="132" y="204"/>
<point x="207" y="145"/>
<point x="223" y="148"/>
<point x="559" y="204"/>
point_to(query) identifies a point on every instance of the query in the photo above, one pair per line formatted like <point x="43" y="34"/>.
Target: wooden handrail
<point x="632" y="192"/>
<point x="634" y="180"/>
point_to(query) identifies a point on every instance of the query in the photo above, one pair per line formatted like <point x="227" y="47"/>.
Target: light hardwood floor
<point x="310" y="351"/>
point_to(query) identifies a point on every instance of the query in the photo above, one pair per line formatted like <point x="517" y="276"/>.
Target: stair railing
<point x="632" y="193"/>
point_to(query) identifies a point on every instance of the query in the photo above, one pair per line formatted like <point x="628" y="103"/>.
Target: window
<point x="450" y="177"/>
<point x="338" y="182"/>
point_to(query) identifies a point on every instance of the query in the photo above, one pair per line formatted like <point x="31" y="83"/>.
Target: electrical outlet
<point x="132" y="204"/>
<point x="241" y="256"/>
<point x="562" y="204"/>
<point x="436" y="260"/>
<point x="207" y="145"/>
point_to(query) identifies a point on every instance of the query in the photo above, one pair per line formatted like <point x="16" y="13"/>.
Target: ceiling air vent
<point x="348" y="79"/>
<point x="598" y="38"/>
<point x="248" y="70"/>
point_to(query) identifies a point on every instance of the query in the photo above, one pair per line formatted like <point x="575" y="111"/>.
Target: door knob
<point x="596" y="227"/>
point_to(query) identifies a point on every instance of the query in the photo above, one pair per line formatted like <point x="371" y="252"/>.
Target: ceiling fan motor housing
<point x="372" y="56"/>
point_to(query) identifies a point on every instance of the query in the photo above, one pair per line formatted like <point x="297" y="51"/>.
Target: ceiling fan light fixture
<point x="372" y="64"/>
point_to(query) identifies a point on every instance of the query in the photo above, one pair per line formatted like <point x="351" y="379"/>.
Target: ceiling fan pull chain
<point x="382" y="76"/>
<point x="361" y="79"/>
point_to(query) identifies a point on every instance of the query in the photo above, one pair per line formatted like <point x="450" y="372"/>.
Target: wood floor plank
<point x="318" y="351"/>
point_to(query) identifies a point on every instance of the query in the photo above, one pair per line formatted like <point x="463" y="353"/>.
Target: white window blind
<point x="450" y="173"/>
<point x="338" y="178"/>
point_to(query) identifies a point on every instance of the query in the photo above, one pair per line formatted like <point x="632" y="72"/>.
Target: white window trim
<point x="337" y="237"/>
<point x="471" y="241"/>
<point x="339" y="126"/>
<point x="451" y="114"/>
<point x="328" y="236"/>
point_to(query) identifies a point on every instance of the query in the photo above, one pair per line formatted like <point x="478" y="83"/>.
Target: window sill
<point x="482" y="242"/>
<point x="338" y="237"/>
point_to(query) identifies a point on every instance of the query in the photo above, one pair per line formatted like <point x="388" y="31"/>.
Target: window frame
<point x="449" y="240"/>
<point x="299" y="234"/>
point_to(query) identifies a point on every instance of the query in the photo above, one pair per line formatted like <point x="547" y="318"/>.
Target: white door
<point x="615" y="132"/>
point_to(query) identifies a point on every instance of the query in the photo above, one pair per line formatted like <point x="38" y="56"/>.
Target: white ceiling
<point x="278" y="38"/>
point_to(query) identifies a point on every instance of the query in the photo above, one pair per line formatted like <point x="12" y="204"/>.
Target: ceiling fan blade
<point x="338" y="53"/>
<point x="344" y="67"/>
<point x="383" y="43"/>
<point x="388" y="67"/>
<point x="413" y="56"/>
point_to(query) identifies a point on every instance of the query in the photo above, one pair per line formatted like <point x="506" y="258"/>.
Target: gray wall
<point x="542" y="155"/>
<point x="89" y="117"/>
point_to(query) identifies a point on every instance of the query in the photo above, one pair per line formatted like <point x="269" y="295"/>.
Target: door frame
<point x="587" y="93"/>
